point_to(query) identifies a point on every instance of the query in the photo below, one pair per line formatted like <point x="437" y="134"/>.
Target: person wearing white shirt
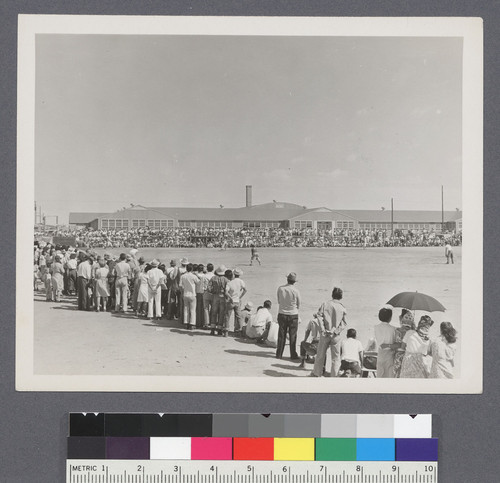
<point x="385" y="335"/>
<point x="259" y="322"/>
<point x="189" y="280"/>
<point x="351" y="354"/>
<point x="155" y="278"/>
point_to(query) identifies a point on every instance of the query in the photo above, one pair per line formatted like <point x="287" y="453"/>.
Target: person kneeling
<point x="351" y="354"/>
<point x="258" y="323"/>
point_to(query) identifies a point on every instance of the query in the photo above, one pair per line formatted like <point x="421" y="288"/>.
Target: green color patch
<point x="335" y="449"/>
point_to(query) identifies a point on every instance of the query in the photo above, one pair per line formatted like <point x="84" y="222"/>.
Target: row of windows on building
<point x="123" y="224"/>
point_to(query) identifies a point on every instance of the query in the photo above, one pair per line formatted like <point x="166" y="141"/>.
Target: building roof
<point x="81" y="218"/>
<point x="275" y="211"/>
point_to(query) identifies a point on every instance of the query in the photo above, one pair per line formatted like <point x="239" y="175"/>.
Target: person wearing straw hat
<point x="155" y="279"/>
<point x="217" y="287"/>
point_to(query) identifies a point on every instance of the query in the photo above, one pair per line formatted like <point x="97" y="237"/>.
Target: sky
<point x="341" y="122"/>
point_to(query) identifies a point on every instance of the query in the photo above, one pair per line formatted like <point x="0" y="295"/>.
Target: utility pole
<point x="392" y="216"/>
<point x="442" y="208"/>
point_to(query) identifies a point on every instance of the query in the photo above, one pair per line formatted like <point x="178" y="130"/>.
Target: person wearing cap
<point x="332" y="316"/>
<point x="235" y="291"/>
<point x="122" y="272"/>
<point x="217" y="287"/>
<point x="288" y="316"/>
<point x="155" y="279"/>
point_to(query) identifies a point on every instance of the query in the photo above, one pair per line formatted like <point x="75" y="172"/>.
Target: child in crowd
<point x="351" y="355"/>
<point x="310" y="349"/>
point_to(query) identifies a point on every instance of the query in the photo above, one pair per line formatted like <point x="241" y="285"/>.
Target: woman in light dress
<point x="442" y="351"/>
<point x="101" y="284"/>
<point x="57" y="279"/>
<point x="143" y="293"/>
<point x="416" y="346"/>
<point x="407" y="323"/>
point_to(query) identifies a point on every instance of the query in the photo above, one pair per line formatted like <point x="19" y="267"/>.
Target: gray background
<point x="34" y="425"/>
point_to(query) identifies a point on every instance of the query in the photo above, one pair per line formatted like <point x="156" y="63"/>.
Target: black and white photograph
<point x="249" y="205"/>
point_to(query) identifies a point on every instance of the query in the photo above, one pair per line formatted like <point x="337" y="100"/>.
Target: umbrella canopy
<point x="416" y="301"/>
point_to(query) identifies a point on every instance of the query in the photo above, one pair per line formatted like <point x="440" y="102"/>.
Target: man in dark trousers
<point x="288" y="316"/>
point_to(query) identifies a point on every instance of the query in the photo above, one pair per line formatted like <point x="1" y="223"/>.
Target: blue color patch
<point x="376" y="449"/>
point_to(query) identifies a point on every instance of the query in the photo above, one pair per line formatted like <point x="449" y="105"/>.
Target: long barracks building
<point x="270" y="215"/>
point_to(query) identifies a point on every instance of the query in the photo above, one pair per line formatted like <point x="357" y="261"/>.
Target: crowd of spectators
<point x="208" y="237"/>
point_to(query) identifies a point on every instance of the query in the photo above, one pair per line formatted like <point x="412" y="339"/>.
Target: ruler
<point x="184" y="471"/>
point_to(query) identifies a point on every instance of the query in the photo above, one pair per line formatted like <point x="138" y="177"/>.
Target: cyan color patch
<point x="376" y="449"/>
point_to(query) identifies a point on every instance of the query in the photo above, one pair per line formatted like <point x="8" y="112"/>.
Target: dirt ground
<point x="72" y="342"/>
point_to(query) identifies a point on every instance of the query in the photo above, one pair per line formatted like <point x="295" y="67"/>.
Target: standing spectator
<point x="172" y="290"/>
<point x="71" y="266"/>
<point x="442" y="351"/>
<point x="288" y="316"/>
<point x="407" y="323"/>
<point x="235" y="291"/>
<point x="83" y="278"/>
<point x="181" y="271"/>
<point x="155" y="279"/>
<point x="188" y="288"/>
<point x="385" y="335"/>
<point x="332" y="315"/>
<point x="122" y="272"/>
<point x="101" y="285"/>
<point x="200" y="289"/>
<point x="448" y="252"/>
<point x="57" y="272"/>
<point x="111" y="261"/>
<point x="207" y="296"/>
<point x="217" y="287"/>
<point x="416" y="345"/>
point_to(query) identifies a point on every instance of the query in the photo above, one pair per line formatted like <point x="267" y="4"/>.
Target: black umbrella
<point x="416" y="301"/>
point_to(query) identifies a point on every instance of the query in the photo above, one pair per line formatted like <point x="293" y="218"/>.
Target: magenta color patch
<point x="211" y="448"/>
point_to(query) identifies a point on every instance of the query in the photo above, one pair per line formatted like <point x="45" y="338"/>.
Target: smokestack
<point x="249" y="196"/>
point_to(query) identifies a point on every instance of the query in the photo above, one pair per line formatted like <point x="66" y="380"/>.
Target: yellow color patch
<point x="293" y="449"/>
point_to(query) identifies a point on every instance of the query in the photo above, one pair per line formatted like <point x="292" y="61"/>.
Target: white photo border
<point x="469" y="29"/>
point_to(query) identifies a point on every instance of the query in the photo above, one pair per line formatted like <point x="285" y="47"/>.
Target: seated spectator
<point x="259" y="323"/>
<point x="351" y="355"/>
